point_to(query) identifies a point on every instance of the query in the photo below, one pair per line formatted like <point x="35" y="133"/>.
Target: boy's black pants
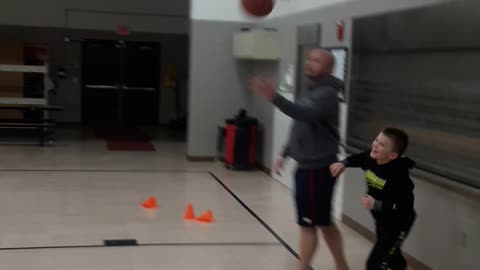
<point x="386" y="253"/>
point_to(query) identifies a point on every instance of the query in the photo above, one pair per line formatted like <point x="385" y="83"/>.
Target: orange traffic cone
<point x="150" y="203"/>
<point x="206" y="217"/>
<point x="189" y="214"/>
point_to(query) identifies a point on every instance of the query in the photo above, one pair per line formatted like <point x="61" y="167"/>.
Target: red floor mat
<point x="125" y="139"/>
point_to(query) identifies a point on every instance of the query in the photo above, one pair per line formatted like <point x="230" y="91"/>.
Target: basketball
<point x="258" y="8"/>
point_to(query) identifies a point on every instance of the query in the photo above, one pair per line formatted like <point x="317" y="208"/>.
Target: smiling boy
<point x="389" y="196"/>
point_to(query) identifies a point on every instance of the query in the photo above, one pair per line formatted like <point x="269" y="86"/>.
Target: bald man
<point x="313" y="144"/>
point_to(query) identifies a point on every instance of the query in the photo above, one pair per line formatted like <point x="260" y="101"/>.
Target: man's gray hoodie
<point x="314" y="135"/>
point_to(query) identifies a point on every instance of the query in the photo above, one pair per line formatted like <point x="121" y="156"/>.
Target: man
<point x="313" y="144"/>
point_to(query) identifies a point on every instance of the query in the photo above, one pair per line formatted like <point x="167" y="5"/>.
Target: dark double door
<point x="120" y="83"/>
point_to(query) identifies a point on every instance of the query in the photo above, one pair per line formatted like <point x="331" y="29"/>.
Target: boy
<point x="390" y="195"/>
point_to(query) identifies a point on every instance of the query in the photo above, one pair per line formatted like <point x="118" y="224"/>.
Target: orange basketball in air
<point x="258" y="8"/>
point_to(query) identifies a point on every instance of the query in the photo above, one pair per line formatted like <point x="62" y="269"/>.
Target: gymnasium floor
<point x="59" y="204"/>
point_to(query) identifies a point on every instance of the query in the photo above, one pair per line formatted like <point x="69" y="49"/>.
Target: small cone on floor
<point x="206" y="217"/>
<point x="150" y="203"/>
<point x="189" y="214"/>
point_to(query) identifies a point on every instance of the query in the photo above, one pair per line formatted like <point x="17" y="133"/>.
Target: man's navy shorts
<point x="313" y="196"/>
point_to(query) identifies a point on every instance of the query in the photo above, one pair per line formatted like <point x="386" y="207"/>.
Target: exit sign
<point x="122" y="30"/>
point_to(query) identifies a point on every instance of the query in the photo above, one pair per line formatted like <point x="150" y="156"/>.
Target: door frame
<point x="82" y="74"/>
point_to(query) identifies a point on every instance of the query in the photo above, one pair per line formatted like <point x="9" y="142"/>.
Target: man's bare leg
<point x="334" y="241"/>
<point x="308" y="245"/>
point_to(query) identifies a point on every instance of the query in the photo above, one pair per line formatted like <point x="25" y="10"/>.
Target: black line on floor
<point x="144" y="245"/>
<point x="100" y="170"/>
<point x="259" y="219"/>
<point x="52" y="247"/>
<point x="216" y="244"/>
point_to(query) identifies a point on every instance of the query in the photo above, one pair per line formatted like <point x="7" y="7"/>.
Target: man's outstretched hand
<point x="263" y="88"/>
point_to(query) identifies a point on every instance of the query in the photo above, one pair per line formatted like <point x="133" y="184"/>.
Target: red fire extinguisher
<point x="340" y="30"/>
